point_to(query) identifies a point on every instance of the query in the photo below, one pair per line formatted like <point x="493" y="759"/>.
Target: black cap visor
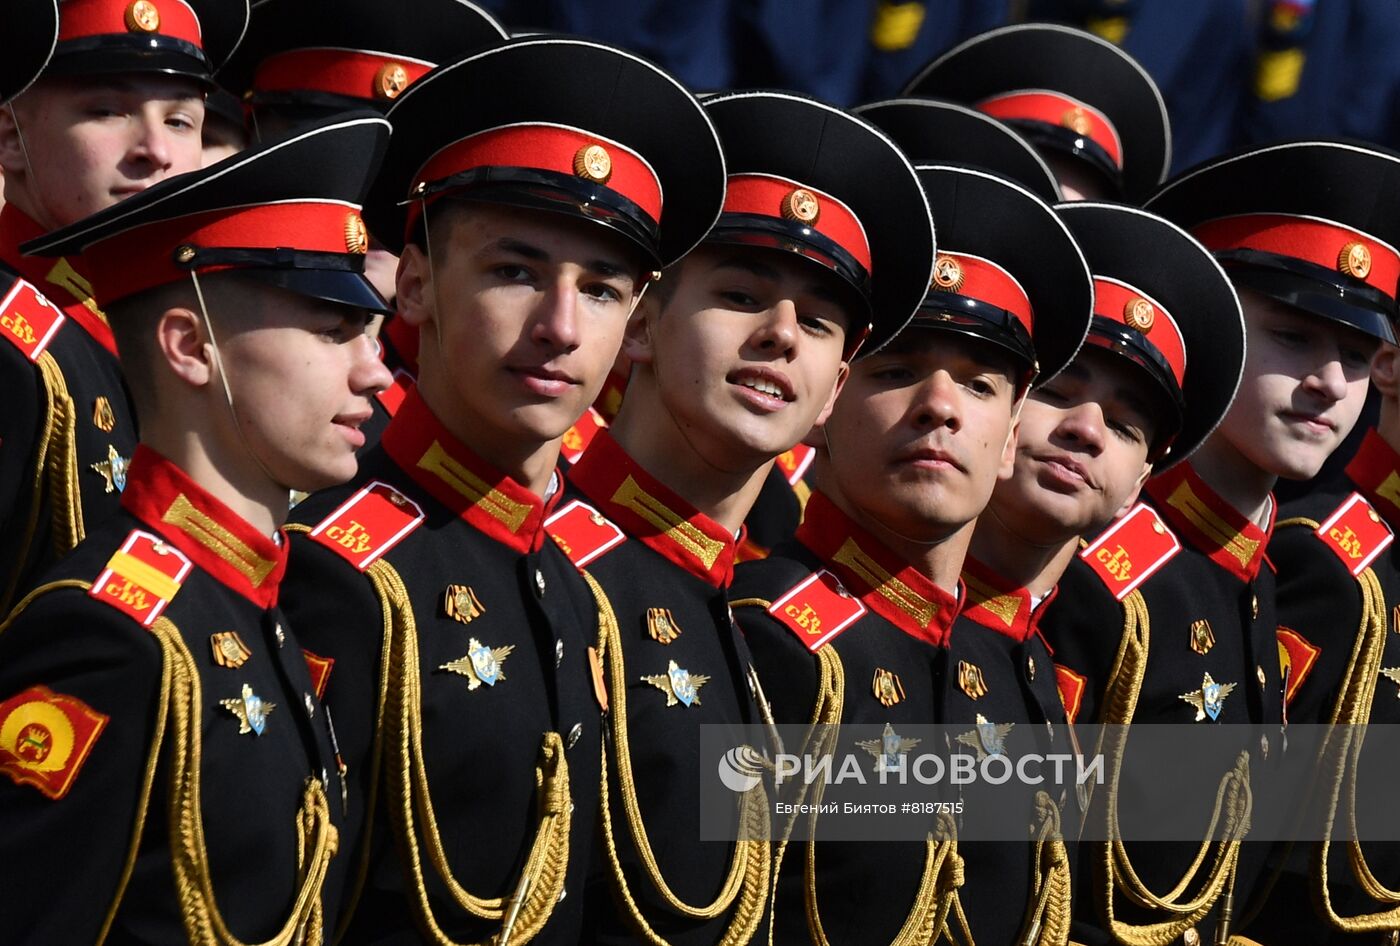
<point x="333" y="277"/>
<point x="1314" y="289"/>
<point x="110" y="55"/>
<point x="1068" y="141"/>
<point x="954" y="312"/>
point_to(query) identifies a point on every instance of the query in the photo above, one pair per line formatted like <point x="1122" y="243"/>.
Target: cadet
<point x="167" y="756"/>
<point x="464" y="642"/>
<point x="850" y="622"/>
<point x="302" y="60"/>
<point x="1159" y="367"/>
<point x="1090" y="109"/>
<point x="1283" y="224"/>
<point x="117" y="109"/>
<point x="825" y="243"/>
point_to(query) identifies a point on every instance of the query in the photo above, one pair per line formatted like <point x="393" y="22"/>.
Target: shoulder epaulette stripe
<point x="1355" y="533"/>
<point x="368" y="524"/>
<point x="28" y="319"/>
<point x="141" y="577"/>
<point x="1131" y="550"/>
<point x="817" y="609"/>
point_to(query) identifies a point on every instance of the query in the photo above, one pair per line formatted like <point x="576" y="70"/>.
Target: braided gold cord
<point x="1050" y="918"/>
<point x="61" y="460"/>
<point x="1349" y="718"/>
<point x="204" y="923"/>
<point x="411" y="798"/>
<point x="746" y="884"/>
<point x="1113" y="869"/>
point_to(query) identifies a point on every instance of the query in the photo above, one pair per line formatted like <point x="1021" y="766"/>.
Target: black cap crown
<point x="30" y="30"/>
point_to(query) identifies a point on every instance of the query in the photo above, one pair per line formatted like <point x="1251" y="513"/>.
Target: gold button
<point x="802" y="206"/>
<point x="1259" y="672"/>
<point x="390" y="80"/>
<point x="593" y="163"/>
<point x="1191" y="937"/>
<point x="948" y="274"/>
<point x="142" y="17"/>
<point x="1030" y="667"/>
<point x="1139" y="314"/>
<point x="1355" y="260"/>
<point x="1158" y="528"/>
<point x="1375" y="516"/>
<point x="574" y="733"/>
<point x="1254" y="605"/>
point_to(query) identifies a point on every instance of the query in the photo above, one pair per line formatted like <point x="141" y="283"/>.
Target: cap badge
<point x="142" y="17"/>
<point x="1139" y="314"/>
<point x="1355" y="260"/>
<point x="593" y="163"/>
<point x="390" y="80"/>
<point x="356" y="236"/>
<point x="801" y="205"/>
<point x="1076" y="120"/>
<point x="948" y="274"/>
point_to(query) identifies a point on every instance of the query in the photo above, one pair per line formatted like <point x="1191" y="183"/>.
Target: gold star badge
<point x="988" y="738"/>
<point x="1209" y="700"/>
<point x="888" y="748"/>
<point x="251" y="711"/>
<point x="482" y="664"/>
<point x="679" y="685"/>
<point x="113" y="470"/>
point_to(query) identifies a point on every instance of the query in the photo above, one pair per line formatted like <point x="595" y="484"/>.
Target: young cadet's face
<point x="302" y="373"/>
<point x="92" y="143"/>
<point x="1081" y="451"/>
<point x="1305" y="381"/>
<point x="922" y="431"/>
<point x="746" y="352"/>
<point x="520" y="319"/>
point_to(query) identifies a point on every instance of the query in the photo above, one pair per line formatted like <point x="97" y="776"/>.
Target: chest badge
<point x="888" y="748"/>
<point x="1209" y="700"/>
<point x="886" y="687"/>
<point x="113" y="470"/>
<point x="662" y="626"/>
<point x="251" y="711"/>
<point x="103" y="417"/>
<point x="988" y="738"/>
<point x="971" y="681"/>
<point x="482" y="664"/>
<point x="1202" y="637"/>
<point x="460" y="603"/>
<point x="229" y="649"/>
<point x="679" y="685"/>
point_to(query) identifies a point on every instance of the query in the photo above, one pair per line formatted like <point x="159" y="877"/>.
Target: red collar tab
<point x="994" y="602"/>
<point x="215" y="538"/>
<point x="795" y="463"/>
<point x="609" y="400"/>
<point x="463" y="482"/>
<point x="77" y="299"/>
<point x="28" y="320"/>
<point x="981" y="279"/>
<point x="1120" y="302"/>
<point x="322" y="226"/>
<point x="1056" y="108"/>
<point x="1321" y="242"/>
<point x="545" y="147"/>
<point x="884" y="583"/>
<point x="1355" y="533"/>
<point x="648" y="511"/>
<point x="764" y="195"/>
<point x="1129" y="551"/>
<point x="1210" y="523"/>
<point x="1376" y="471"/>
<point x="578" y="437"/>
<point x="353" y="73"/>
<point x="82" y="19"/>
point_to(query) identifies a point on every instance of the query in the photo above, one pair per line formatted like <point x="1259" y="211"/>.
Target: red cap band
<point x="79" y="19"/>
<point x="548" y="148"/>
<point x="317" y="227"/>
<point x="767" y="196"/>
<point x="983" y="280"/>
<point x="1338" y="248"/>
<point x="353" y="73"/>
<point x="1120" y="302"/>
<point x="1054" y="108"/>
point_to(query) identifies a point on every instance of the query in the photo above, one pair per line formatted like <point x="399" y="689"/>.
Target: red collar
<point x="609" y="400"/>
<point x="652" y="514"/>
<point x="486" y="498"/>
<point x="219" y="541"/>
<point x="995" y="602"/>
<point x="1211" y="524"/>
<point x="1376" y="472"/>
<point x="886" y="585"/>
<point x="71" y="291"/>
